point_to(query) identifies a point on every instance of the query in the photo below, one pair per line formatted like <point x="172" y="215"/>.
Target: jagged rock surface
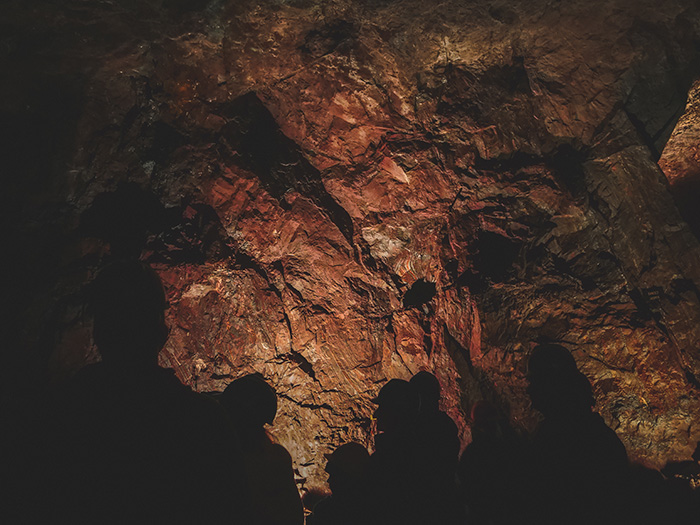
<point x="680" y="160"/>
<point x="338" y="193"/>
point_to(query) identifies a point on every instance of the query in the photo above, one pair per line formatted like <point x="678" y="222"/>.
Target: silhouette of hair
<point x="347" y="469"/>
<point x="125" y="232"/>
<point x="128" y="304"/>
<point x="578" y="465"/>
<point x="551" y="359"/>
<point x="350" y="459"/>
<point x="428" y="388"/>
<point x="398" y="396"/>
<point x="250" y="400"/>
<point x="272" y="495"/>
<point x="556" y="385"/>
<point x="399" y="406"/>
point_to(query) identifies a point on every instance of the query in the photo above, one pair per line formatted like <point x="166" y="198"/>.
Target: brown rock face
<point x="340" y="193"/>
<point x="680" y="160"/>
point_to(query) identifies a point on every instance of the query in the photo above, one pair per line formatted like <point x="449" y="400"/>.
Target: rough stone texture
<point x="680" y="160"/>
<point x="339" y="193"/>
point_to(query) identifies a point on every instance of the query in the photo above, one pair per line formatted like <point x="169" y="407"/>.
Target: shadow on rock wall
<point x="336" y="194"/>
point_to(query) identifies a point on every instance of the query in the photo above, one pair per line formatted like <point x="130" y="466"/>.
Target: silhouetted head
<point x="346" y="467"/>
<point x="398" y="405"/>
<point x="428" y="388"/>
<point x="126" y="233"/>
<point x="128" y="304"/>
<point x="250" y="401"/>
<point x="557" y="388"/>
<point x="550" y="359"/>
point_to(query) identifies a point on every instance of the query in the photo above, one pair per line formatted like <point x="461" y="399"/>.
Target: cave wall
<point x="339" y="193"/>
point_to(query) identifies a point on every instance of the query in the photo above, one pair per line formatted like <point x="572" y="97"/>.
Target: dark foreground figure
<point x="438" y="445"/>
<point x="393" y="471"/>
<point x="126" y="442"/>
<point x="412" y="470"/>
<point x="577" y="469"/>
<point x="273" y="496"/>
<point x="490" y="470"/>
<point x="347" y="470"/>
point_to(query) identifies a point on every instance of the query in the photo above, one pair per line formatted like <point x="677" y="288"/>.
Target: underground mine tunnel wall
<point x="338" y="193"/>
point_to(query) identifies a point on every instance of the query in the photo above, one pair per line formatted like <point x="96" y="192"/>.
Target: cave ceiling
<point x="339" y="193"/>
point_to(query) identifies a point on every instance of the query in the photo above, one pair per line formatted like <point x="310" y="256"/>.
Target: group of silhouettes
<point x="126" y="442"/>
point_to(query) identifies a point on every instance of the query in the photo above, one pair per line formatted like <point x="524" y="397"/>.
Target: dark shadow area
<point x="349" y="502"/>
<point x="273" y="498"/>
<point x="421" y="292"/>
<point x="257" y="144"/>
<point x="38" y="119"/>
<point x="124" y="218"/>
<point x="326" y="39"/>
<point x="107" y="447"/>
<point x="491" y="468"/>
<point x="409" y="480"/>
<point x="686" y="192"/>
<point x="577" y="466"/>
<point x="190" y="233"/>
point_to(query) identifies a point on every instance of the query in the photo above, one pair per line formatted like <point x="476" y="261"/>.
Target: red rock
<point x="316" y="161"/>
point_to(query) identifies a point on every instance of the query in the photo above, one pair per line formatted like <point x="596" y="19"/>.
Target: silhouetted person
<point x="682" y="494"/>
<point x="394" y="472"/>
<point x="273" y="496"/>
<point x="649" y="497"/>
<point x="347" y="470"/>
<point x="688" y="471"/>
<point x="124" y="231"/>
<point x="490" y="469"/>
<point x="438" y="451"/>
<point x="129" y="443"/>
<point x="578" y="465"/>
<point x="20" y="464"/>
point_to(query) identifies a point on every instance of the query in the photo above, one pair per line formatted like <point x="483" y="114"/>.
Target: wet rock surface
<point x="340" y="193"/>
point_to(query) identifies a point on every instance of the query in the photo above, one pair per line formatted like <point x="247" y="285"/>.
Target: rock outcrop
<point x="339" y="193"/>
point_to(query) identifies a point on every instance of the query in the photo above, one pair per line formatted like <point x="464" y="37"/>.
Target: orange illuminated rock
<point x="354" y="191"/>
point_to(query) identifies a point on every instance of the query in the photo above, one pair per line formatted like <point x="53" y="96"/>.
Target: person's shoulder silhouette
<point x="137" y="443"/>
<point x="438" y="447"/>
<point x="489" y="469"/>
<point x="564" y="396"/>
<point x="347" y="469"/>
<point x="578" y="464"/>
<point x="394" y="471"/>
<point x="398" y="404"/>
<point x="273" y="496"/>
<point x="435" y="428"/>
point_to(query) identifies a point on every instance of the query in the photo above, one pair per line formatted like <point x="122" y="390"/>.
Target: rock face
<point x="340" y="193"/>
<point x="680" y="160"/>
